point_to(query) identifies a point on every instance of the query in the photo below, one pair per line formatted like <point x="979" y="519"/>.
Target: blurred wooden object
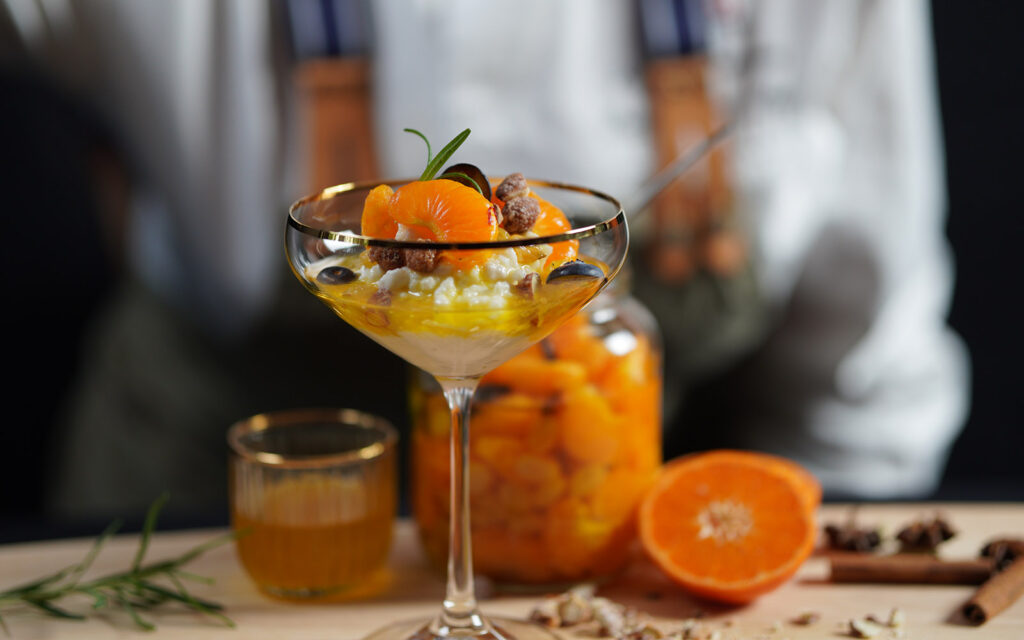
<point x="337" y="109"/>
<point x="691" y="225"/>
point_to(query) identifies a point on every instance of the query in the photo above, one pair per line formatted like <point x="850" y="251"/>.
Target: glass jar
<point x="565" y="438"/>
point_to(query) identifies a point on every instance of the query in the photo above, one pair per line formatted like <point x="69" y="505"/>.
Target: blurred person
<point x="851" y="369"/>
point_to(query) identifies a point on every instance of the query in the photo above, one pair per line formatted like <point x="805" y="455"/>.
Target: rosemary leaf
<point x="427" y="142"/>
<point x="193" y="577"/>
<point x="459" y="174"/>
<point x="209" y="608"/>
<point x="132" y="590"/>
<point x="443" y="155"/>
<point x="127" y="605"/>
<point x="54" y="610"/>
<point x="147" y="529"/>
<point x="181" y="595"/>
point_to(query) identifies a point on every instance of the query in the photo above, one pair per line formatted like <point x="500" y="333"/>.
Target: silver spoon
<point x="654" y="185"/>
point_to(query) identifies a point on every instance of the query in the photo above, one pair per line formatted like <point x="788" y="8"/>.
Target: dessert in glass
<point x="457" y="274"/>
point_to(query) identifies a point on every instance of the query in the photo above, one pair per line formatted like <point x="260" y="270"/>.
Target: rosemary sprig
<point x="133" y="590"/>
<point x="434" y="163"/>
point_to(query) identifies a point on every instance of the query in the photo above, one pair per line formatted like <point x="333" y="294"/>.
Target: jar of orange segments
<point x="565" y="439"/>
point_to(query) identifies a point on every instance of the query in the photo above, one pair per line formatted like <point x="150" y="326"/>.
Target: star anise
<point x="1003" y="551"/>
<point x="850" y="537"/>
<point x="925" y="535"/>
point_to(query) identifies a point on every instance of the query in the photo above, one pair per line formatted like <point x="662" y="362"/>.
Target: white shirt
<point x="838" y="162"/>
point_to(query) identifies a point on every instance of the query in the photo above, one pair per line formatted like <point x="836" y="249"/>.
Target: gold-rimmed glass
<point x="456" y="333"/>
<point x="304" y="480"/>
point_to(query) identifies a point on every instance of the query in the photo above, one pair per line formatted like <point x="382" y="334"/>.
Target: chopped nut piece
<point x="896" y="619"/>
<point x="646" y="633"/>
<point x="806" y="618"/>
<point x="378" y="317"/>
<point x="546" y="612"/>
<point x="610" y="617"/>
<point x="527" y="287"/>
<point x="387" y="257"/>
<point x="494" y="216"/>
<point x="520" y="214"/>
<point x="513" y="186"/>
<point x="864" y="629"/>
<point x="574" y="609"/>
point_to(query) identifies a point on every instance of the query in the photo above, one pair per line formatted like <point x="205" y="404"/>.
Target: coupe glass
<point x="457" y="338"/>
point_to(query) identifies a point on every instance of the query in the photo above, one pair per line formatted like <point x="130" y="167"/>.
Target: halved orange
<point x="730" y="525"/>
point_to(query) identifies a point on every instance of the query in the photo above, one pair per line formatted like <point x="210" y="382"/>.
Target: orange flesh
<point x="682" y="534"/>
<point x="443" y="211"/>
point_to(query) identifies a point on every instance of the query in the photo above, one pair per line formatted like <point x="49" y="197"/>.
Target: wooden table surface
<point x="410" y="589"/>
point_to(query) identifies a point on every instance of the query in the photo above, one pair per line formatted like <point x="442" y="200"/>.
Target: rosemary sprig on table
<point x="133" y="590"/>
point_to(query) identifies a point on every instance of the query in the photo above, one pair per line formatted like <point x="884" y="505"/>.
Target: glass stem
<point x="460" y="614"/>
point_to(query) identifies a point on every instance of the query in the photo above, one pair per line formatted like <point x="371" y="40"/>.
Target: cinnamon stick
<point x="908" y="568"/>
<point x="996" y="594"/>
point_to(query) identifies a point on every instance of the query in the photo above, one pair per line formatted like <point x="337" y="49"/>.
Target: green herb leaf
<point x="434" y="164"/>
<point x="55" y="610"/>
<point x="424" y="139"/>
<point x="147" y="529"/>
<point x="131" y="590"/>
<point x="459" y="174"/>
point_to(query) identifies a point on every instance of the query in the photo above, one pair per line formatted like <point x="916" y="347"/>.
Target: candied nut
<point x="527" y="287"/>
<point x="513" y="186"/>
<point x="494" y="217"/>
<point x="387" y="257"/>
<point x="422" y="260"/>
<point x="520" y="214"/>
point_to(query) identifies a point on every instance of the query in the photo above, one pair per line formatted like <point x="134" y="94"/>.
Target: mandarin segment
<point x="444" y="211"/>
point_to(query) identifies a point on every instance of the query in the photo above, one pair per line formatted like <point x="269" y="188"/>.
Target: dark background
<point x="49" y="302"/>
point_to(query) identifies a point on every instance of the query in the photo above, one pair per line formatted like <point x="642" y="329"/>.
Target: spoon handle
<point x="657" y="183"/>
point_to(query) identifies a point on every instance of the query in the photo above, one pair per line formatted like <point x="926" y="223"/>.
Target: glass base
<point x="500" y="629"/>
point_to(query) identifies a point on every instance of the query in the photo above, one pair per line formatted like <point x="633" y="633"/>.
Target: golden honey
<point x="314" y="534"/>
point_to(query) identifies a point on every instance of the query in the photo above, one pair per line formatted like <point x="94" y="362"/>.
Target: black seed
<point x="575" y="269"/>
<point x="336" y="275"/>
<point x="473" y="173"/>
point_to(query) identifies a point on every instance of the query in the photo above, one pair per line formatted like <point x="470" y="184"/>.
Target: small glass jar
<point x="565" y="438"/>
